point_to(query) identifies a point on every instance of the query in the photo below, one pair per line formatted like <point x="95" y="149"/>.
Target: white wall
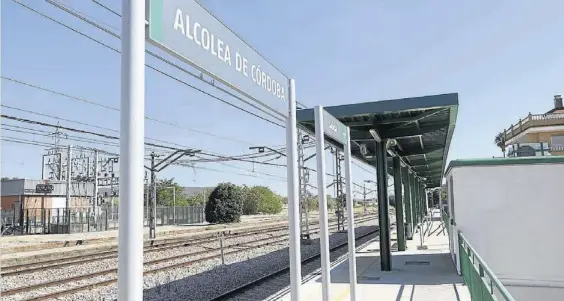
<point x="513" y="216"/>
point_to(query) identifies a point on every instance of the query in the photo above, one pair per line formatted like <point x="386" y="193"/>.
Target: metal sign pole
<point x="293" y="196"/>
<point x="130" y="247"/>
<point x="350" y="217"/>
<point x="322" y="195"/>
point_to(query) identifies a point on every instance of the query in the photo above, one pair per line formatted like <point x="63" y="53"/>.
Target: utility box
<point x="511" y="210"/>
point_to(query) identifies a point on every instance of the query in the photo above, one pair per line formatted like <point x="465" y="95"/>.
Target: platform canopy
<point x="422" y="126"/>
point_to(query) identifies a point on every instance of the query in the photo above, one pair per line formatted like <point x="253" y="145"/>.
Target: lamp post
<point x="364" y="192"/>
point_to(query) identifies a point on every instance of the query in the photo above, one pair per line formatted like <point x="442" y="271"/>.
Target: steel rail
<point x="245" y="287"/>
<point x="243" y="245"/>
<point x="62" y="262"/>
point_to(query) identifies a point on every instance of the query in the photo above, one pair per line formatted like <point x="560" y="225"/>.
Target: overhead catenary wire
<point x="77" y="14"/>
<point x="236" y="158"/>
<point x="148" y="138"/>
<point x="88" y="125"/>
<point x="232" y="158"/>
<point x="218" y="156"/>
<point x="105" y="7"/>
<point x="83" y="17"/>
<point x="48" y="144"/>
<point x="21" y="82"/>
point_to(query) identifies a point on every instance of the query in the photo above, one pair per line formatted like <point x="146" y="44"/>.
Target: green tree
<point x="500" y="142"/>
<point x="312" y="202"/>
<point x="392" y="200"/>
<point x="251" y="200"/>
<point x="331" y="203"/>
<point x="443" y="193"/>
<point x="434" y="196"/>
<point x="225" y="204"/>
<point x="165" y="193"/>
<point x="198" y="198"/>
<point x="269" y="202"/>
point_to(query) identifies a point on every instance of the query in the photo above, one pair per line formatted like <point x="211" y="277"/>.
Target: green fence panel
<point x="479" y="279"/>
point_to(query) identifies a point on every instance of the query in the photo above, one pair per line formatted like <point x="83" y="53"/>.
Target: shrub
<point x="251" y="200"/>
<point x="269" y="202"/>
<point x="225" y="204"/>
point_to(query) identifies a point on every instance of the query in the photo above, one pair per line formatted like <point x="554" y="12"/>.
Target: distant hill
<point x="191" y="191"/>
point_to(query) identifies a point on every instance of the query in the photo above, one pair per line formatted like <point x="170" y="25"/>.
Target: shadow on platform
<point x="407" y="269"/>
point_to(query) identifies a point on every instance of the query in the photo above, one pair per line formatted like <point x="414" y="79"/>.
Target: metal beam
<point x="417" y="118"/>
<point x="360" y="135"/>
<point x="383" y="217"/>
<point x="424" y="151"/>
<point x="428" y="162"/>
<point x="403" y="133"/>
<point x="403" y="120"/>
<point x="367" y="122"/>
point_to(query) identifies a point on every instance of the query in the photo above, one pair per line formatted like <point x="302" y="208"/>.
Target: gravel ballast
<point x="201" y="281"/>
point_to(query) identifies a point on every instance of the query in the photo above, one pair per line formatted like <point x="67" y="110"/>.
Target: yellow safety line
<point x="346" y="292"/>
<point x="343" y="294"/>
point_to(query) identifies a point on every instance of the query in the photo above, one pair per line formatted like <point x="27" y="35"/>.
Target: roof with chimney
<point x="558" y="105"/>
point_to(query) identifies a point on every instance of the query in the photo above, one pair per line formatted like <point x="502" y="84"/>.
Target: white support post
<point x="69" y="174"/>
<point x="95" y="202"/>
<point x="174" y="205"/>
<point x="322" y="195"/>
<point x="293" y="196"/>
<point x="350" y="218"/>
<point x="130" y="247"/>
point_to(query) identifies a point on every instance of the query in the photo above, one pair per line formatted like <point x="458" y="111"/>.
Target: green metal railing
<point x="481" y="281"/>
<point x="446" y="221"/>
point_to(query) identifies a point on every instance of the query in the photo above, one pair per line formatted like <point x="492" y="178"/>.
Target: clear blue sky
<point x="504" y="58"/>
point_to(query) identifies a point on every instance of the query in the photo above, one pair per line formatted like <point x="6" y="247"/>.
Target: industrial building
<point x="34" y="197"/>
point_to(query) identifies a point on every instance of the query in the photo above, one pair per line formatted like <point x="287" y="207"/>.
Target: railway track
<point x="151" y="267"/>
<point x="62" y="262"/>
<point x="238" y="291"/>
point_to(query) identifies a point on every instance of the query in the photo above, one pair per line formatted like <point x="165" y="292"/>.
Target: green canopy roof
<point x="422" y="126"/>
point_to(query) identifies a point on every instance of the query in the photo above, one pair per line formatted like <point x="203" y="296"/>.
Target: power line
<point x="85" y="124"/>
<point x="148" y="138"/>
<point x="146" y="143"/>
<point x="234" y="158"/>
<point x="77" y="14"/>
<point x="46" y="144"/>
<point x="118" y="110"/>
<point x="64" y="8"/>
<point x="299" y="105"/>
<point x="107" y="8"/>
<point x="77" y="130"/>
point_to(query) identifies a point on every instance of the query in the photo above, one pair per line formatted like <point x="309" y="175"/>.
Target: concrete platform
<point x="417" y="275"/>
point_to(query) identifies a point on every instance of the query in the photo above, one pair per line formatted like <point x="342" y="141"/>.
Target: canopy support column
<point x="407" y="198"/>
<point x="383" y="216"/>
<point x="399" y="204"/>
<point x="415" y="187"/>
<point x="423" y="209"/>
